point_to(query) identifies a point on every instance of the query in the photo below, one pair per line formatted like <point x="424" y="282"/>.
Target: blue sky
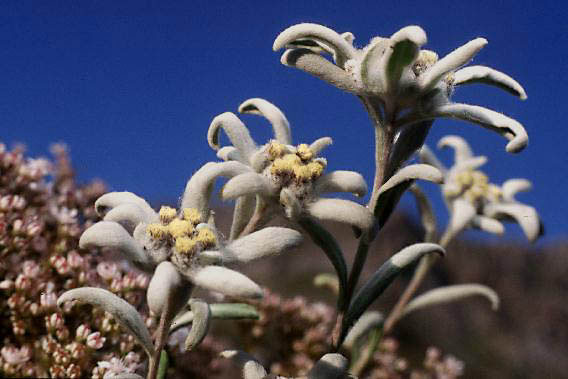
<point x="132" y="86"/>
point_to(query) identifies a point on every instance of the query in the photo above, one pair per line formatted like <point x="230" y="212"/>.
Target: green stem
<point x="163" y="367"/>
<point x="363" y="360"/>
<point x="418" y="277"/>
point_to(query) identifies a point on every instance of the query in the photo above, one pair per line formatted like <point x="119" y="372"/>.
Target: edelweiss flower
<point x="400" y="84"/>
<point x="280" y="174"/>
<point x="473" y="200"/>
<point x="180" y="246"/>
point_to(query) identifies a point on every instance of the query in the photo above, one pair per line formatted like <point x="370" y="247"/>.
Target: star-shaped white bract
<point x="277" y="175"/>
<point x="180" y="247"/>
<point x="473" y="201"/>
<point x="399" y="83"/>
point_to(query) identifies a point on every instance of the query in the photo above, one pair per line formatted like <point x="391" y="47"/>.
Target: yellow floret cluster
<point x="474" y="185"/>
<point x="300" y="165"/>
<point x="182" y="232"/>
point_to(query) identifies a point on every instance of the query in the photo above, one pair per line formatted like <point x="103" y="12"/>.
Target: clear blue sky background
<point x="132" y="86"/>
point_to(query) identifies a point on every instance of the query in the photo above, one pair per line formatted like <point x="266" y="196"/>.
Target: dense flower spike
<point x="283" y="176"/>
<point x="475" y="202"/>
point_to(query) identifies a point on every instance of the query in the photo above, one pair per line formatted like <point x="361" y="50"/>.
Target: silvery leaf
<point x="121" y="310"/>
<point x="449" y="294"/>
<point x="486" y="75"/>
<point x="251" y="368"/>
<point x="200" y="324"/>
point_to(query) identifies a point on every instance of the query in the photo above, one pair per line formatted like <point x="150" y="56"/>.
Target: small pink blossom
<point x="114" y="367"/>
<point x="82" y="332"/>
<point x="108" y="270"/>
<point x="6" y="284"/>
<point x="95" y="340"/>
<point x="54" y="322"/>
<point x="48" y="299"/>
<point x="142" y="281"/>
<point x="30" y="269"/>
<point x="75" y="260"/>
<point x="23" y="283"/>
<point x="15" y="356"/>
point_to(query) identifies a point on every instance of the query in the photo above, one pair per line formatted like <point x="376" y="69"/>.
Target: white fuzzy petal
<point x="198" y="189"/>
<point x="486" y="75"/>
<point x="225" y="281"/>
<point x="461" y="148"/>
<point x="451" y="62"/>
<point x="273" y="114"/>
<point x="525" y="215"/>
<point x="462" y="214"/>
<point x="410" y="253"/>
<point x="113" y="199"/>
<point x="167" y="285"/>
<point x="488" y="224"/>
<point x="341" y="211"/>
<point x="230" y="153"/>
<point x="246" y="184"/>
<point x="318" y="33"/>
<point x="267" y="241"/>
<point x="236" y="131"/>
<point x="321" y="143"/>
<point x="513" y="186"/>
<point x="342" y="181"/>
<point x="112" y="235"/>
<point x="129" y="215"/>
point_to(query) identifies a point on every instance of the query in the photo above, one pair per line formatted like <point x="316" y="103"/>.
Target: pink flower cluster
<point x="42" y="214"/>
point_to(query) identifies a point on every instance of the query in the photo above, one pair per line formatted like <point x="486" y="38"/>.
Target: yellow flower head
<point x="192" y="215"/>
<point x="185" y="245"/>
<point x="302" y="173"/>
<point x="167" y="214"/>
<point x="304" y="152"/>
<point x="285" y="164"/>
<point x="465" y="178"/>
<point x="206" y="237"/>
<point x="157" y="231"/>
<point x="275" y="150"/>
<point x="179" y="228"/>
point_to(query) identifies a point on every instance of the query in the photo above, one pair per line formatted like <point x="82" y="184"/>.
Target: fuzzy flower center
<point x="299" y="168"/>
<point x="182" y="232"/>
<point x="474" y="186"/>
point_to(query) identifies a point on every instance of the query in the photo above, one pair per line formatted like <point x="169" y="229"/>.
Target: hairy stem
<point x="256" y="220"/>
<point x="161" y="338"/>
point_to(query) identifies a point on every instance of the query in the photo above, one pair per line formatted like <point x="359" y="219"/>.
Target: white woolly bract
<point x="267" y="241"/>
<point x="225" y="281"/>
<point x="341" y="211"/>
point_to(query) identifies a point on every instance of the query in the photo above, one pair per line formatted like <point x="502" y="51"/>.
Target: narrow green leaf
<point x="331" y="248"/>
<point x="382" y="278"/>
<point x="163" y="366"/>
<point x="221" y="311"/>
